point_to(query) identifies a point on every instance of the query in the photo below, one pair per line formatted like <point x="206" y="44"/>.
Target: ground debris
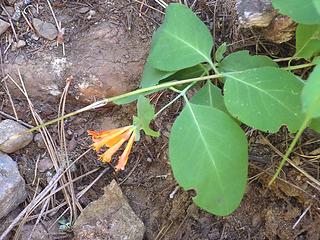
<point x="110" y="217"/>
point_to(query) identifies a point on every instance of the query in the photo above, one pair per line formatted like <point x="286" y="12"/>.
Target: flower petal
<point x="123" y="159"/>
<point x="107" y="156"/>
<point x="111" y="139"/>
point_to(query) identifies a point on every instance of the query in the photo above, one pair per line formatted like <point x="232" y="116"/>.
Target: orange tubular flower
<point x="113" y="139"/>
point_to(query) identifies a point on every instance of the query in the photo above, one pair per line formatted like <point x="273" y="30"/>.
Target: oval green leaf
<point x="242" y="60"/>
<point x="152" y="76"/>
<point x="307" y="41"/>
<point x="265" y="98"/>
<point x="305" y="12"/>
<point x="201" y="159"/>
<point x="181" y="41"/>
<point x="210" y="95"/>
<point x="311" y="94"/>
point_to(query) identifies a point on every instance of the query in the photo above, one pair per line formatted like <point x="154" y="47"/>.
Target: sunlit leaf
<point x="208" y="153"/>
<point x="265" y="98"/>
<point x="182" y="41"/>
<point x="311" y="94"/>
<point x="307" y="41"/>
<point x="145" y="115"/>
<point x="306" y="12"/>
<point x="242" y="60"/>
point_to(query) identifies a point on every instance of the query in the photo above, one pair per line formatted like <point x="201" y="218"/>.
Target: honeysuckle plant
<point x="252" y="90"/>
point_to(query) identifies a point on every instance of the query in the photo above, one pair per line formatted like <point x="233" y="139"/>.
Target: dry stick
<point x="45" y="134"/>
<point x="50" y="144"/>
<point x="47" y="189"/>
<point x="10" y="21"/>
<point x="42" y="197"/>
<point x="291" y="162"/>
<point x="13" y="118"/>
<point x="10" y="99"/>
<point x="63" y="145"/>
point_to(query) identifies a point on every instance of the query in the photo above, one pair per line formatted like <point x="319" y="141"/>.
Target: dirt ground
<point x="166" y="210"/>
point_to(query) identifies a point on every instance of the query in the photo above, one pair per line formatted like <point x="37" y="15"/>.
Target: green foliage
<point x="181" y="36"/>
<point x="210" y="95"/>
<point x="265" y="98"/>
<point x="242" y="60"/>
<point x="311" y="94"/>
<point x="306" y="12"/>
<point x="307" y="41"/>
<point x="152" y="76"/>
<point x="145" y="116"/>
<point x="315" y="124"/>
<point x="208" y="153"/>
<point x="208" y="150"/>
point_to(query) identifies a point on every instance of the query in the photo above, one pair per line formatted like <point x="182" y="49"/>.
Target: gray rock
<point x="13" y="136"/>
<point x="3" y="26"/>
<point x="45" y="29"/>
<point x="260" y="14"/>
<point x="110" y="217"/>
<point x="12" y="185"/>
<point x="255" y="13"/>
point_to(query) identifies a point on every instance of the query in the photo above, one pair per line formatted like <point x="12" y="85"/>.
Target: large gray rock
<point x="107" y="61"/>
<point x="110" y="217"/>
<point x="13" y="136"/>
<point x="12" y="185"/>
<point x="3" y="26"/>
<point x="260" y="14"/>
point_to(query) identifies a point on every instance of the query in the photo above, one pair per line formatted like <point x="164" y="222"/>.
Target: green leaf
<point x="265" y="98"/>
<point x="311" y="94"/>
<point x="220" y="51"/>
<point x="151" y="76"/>
<point x="145" y="115"/>
<point x="242" y="60"/>
<point x="307" y="41"/>
<point x="210" y="95"/>
<point x="208" y="153"/>
<point x="182" y="40"/>
<point x="315" y="124"/>
<point x="305" y="12"/>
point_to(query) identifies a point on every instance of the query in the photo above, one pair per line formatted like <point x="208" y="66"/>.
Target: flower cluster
<point x="113" y="140"/>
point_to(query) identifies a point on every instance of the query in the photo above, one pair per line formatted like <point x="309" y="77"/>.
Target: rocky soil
<point x="53" y="187"/>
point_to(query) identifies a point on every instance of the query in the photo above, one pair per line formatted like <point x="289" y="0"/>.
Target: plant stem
<point x="290" y="149"/>
<point x="105" y="101"/>
<point x="290" y="68"/>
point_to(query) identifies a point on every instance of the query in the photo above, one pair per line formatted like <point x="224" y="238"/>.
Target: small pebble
<point x="84" y="10"/>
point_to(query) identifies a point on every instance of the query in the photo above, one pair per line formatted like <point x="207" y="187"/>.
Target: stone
<point x="110" y="63"/>
<point x="110" y="217"/>
<point x="45" y="164"/>
<point x="13" y="136"/>
<point x="83" y="10"/>
<point x="261" y="15"/>
<point x="3" y="26"/>
<point x="12" y="185"/>
<point x="255" y="13"/>
<point x="39" y="141"/>
<point x="45" y="29"/>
